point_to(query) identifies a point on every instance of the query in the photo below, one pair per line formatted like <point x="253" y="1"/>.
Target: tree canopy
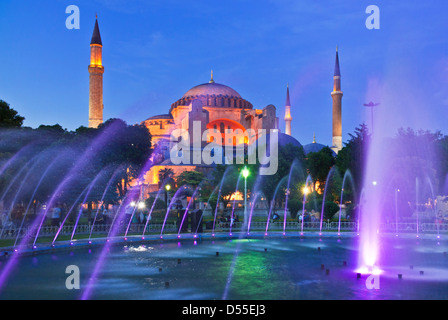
<point x="9" y="118"/>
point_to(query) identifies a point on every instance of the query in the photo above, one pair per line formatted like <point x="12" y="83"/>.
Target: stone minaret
<point x="96" y="71"/>
<point x="336" y="95"/>
<point x="288" y="117"/>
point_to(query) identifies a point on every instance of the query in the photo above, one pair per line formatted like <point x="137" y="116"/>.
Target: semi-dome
<point x="284" y="140"/>
<point x="315" y="147"/>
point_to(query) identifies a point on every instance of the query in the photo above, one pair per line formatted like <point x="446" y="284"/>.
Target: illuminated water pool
<point x="273" y="269"/>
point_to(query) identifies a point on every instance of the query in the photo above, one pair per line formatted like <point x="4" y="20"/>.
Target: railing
<point x="412" y="227"/>
<point x="50" y="231"/>
<point x="103" y="230"/>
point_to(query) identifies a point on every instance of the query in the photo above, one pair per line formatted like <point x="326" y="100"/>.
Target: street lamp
<point x="245" y="172"/>
<point x="167" y="191"/>
<point x="306" y="190"/>
<point x="141" y="205"/>
<point x="371" y="105"/>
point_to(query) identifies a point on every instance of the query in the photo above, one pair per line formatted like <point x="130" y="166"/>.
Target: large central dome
<point x="211" y="89"/>
<point x="213" y="95"/>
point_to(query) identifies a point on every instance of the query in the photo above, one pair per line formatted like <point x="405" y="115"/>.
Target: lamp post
<point x="167" y="193"/>
<point x="371" y="105"/>
<point x="245" y="173"/>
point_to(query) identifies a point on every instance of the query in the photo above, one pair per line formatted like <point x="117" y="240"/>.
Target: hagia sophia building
<point x="216" y="106"/>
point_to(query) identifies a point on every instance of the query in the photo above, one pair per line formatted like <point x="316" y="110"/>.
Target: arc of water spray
<point x="152" y="208"/>
<point x="32" y="197"/>
<point x="66" y="216"/>
<point x="307" y="182"/>
<point x="102" y="199"/>
<point x="186" y="210"/>
<point x="219" y="197"/>
<point x="361" y="208"/>
<point x="346" y="175"/>
<point x="272" y="205"/>
<point x="16" y="176"/>
<point x="169" y="208"/>
<point x="431" y="187"/>
<point x="232" y="215"/>
<point x="14" y="157"/>
<point x="102" y="257"/>
<point x="252" y="207"/>
<point x="202" y="215"/>
<point x="286" y="197"/>
<point x="327" y="183"/>
<point x="130" y="220"/>
<point x="30" y="170"/>
<point x="416" y="203"/>
<point x="84" y="201"/>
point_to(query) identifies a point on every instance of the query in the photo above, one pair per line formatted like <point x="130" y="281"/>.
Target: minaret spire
<point x="336" y="95"/>
<point x="96" y="36"/>
<point x="337" y="71"/>
<point x="96" y="71"/>
<point x="288" y="117"/>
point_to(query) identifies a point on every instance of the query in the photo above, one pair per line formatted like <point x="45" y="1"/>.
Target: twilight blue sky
<point x="154" y="51"/>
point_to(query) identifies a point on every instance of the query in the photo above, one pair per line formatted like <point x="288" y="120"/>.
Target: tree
<point x="9" y="118"/>
<point x="191" y="178"/>
<point x="287" y="156"/>
<point x="166" y="176"/>
<point x="353" y="155"/>
<point x="319" y="164"/>
<point x="126" y="146"/>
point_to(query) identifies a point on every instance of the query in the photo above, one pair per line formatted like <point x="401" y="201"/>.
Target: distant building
<point x="216" y="106"/>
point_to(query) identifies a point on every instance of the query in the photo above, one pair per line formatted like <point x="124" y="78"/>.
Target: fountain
<point x="235" y="260"/>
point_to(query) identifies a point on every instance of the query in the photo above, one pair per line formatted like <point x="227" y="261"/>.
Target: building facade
<point x="216" y="107"/>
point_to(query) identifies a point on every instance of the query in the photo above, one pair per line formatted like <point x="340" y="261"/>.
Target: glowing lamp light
<point x="306" y="190"/>
<point x="167" y="187"/>
<point x="141" y="205"/>
<point x="133" y="204"/>
<point x="374" y="183"/>
<point x="245" y="172"/>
